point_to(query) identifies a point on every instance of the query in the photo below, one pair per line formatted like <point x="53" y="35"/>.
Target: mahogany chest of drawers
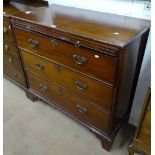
<point x="84" y="63"/>
<point x="12" y="63"/>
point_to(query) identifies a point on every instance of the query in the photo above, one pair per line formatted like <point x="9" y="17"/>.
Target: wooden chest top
<point x="118" y="31"/>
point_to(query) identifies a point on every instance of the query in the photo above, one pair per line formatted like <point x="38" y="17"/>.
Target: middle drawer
<point x="98" y="92"/>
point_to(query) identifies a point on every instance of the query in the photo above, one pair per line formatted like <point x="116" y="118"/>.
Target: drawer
<point x="82" y="109"/>
<point x="13" y="69"/>
<point x="7" y="31"/>
<point x="96" y="91"/>
<point x="94" y="64"/>
<point x="10" y="48"/>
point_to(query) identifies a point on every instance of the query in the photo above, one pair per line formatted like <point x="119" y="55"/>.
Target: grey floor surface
<point x="36" y="128"/>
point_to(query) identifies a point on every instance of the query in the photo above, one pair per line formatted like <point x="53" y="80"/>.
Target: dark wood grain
<point x="118" y="31"/>
<point x="125" y="78"/>
<point x="95" y="91"/>
<point x="12" y="67"/>
<point x="106" y="139"/>
<point x="65" y="36"/>
<point x="112" y="49"/>
<point x="9" y="47"/>
<point x="60" y="95"/>
<point x="7" y="31"/>
<point x="97" y="65"/>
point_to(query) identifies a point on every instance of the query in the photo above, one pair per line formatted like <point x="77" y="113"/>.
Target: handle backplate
<point x="80" y="85"/>
<point x="33" y="43"/>
<point x="79" y="59"/>
<point x="43" y="87"/>
<point x="39" y="66"/>
<point x="81" y="109"/>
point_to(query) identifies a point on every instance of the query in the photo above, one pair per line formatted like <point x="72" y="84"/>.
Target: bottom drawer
<point x="13" y="69"/>
<point x="81" y="108"/>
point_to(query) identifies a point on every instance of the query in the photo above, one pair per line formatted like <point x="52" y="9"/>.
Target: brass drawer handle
<point x="5" y="30"/>
<point x="33" y="43"/>
<point x="80" y="85"/>
<point x="81" y="109"/>
<point x="39" y="66"/>
<point x="10" y="60"/>
<point x="43" y="88"/>
<point x="54" y="42"/>
<point x="79" y="59"/>
<point x="6" y="47"/>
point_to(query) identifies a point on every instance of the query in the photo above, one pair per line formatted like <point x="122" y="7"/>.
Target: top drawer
<point x="94" y="64"/>
<point x="7" y="31"/>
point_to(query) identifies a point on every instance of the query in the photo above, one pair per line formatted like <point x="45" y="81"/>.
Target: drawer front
<point x="13" y="69"/>
<point x="79" y="107"/>
<point x="96" y="91"/>
<point x="89" y="62"/>
<point x="7" y="31"/>
<point x="10" y="48"/>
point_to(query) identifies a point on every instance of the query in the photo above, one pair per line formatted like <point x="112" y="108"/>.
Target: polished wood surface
<point x="10" y="48"/>
<point x="83" y="62"/>
<point x="7" y="31"/>
<point x="100" y="93"/>
<point x="70" y="101"/>
<point x="142" y="141"/>
<point x="12" y="66"/>
<point x="97" y="65"/>
<point x="118" y="31"/>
